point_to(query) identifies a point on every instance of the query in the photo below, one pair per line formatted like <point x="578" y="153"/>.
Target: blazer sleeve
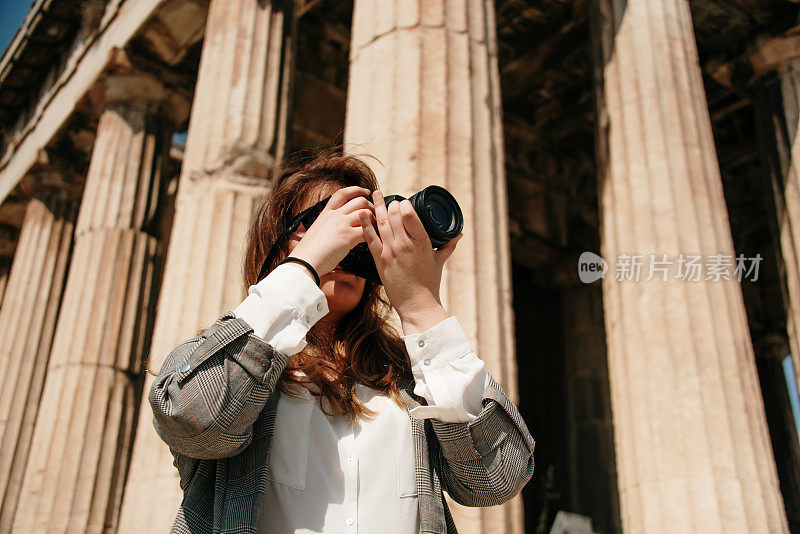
<point x="211" y="389"/>
<point x="486" y="461"/>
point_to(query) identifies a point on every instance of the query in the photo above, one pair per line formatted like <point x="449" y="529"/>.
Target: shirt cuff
<point x="307" y="299"/>
<point x="447" y="372"/>
<point x="287" y="302"/>
<point x="437" y="346"/>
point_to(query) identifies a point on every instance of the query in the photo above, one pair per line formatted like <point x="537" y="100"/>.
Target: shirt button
<point x="185" y="367"/>
<point x="421" y="342"/>
<point x="349" y="521"/>
<point x="319" y="306"/>
<point x="307" y="319"/>
<point x="426" y="361"/>
<point x="350" y="457"/>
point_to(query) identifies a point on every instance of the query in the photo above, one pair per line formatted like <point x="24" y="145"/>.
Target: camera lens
<point x="439" y="213"/>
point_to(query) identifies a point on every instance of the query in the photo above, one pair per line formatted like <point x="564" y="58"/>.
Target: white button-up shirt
<point x="326" y="475"/>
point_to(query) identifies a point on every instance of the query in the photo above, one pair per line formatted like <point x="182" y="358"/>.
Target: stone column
<point x="424" y="98"/>
<point x="692" y="446"/>
<point x="590" y="429"/>
<point x="777" y="105"/>
<point x="27" y="325"/>
<point x="236" y="133"/>
<point x="770" y="353"/>
<point x="776" y="101"/>
<point x="81" y="444"/>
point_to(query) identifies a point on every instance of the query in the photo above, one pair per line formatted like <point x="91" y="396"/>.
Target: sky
<point x="12" y="13"/>
<point x="788" y="370"/>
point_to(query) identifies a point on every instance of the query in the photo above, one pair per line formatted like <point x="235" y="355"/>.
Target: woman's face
<point x="342" y="289"/>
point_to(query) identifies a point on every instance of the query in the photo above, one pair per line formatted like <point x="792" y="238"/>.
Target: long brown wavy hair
<point x="364" y="347"/>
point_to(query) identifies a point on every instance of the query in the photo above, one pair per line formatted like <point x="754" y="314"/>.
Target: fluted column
<point x="776" y="104"/>
<point x="590" y="430"/>
<point x="236" y="133"/>
<point x="27" y="325"/>
<point x="79" y="456"/>
<point x="693" y="449"/>
<point x="770" y="353"/>
<point x="424" y="98"/>
<point x="239" y="113"/>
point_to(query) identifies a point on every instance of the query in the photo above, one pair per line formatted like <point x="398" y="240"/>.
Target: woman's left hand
<point x="411" y="271"/>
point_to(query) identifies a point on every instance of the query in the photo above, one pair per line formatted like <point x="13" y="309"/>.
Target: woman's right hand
<point x="336" y="230"/>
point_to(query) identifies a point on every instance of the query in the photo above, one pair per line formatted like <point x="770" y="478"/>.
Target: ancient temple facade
<point x="629" y="271"/>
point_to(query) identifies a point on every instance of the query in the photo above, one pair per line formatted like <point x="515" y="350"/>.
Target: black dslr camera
<point x="436" y="207"/>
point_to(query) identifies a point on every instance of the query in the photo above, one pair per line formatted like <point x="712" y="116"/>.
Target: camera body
<point x="436" y="207"/>
<point x="440" y="215"/>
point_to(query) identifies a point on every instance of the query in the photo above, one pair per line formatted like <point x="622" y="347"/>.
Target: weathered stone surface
<point x="777" y="105"/>
<point x="424" y="98"/>
<point x="238" y="116"/>
<point x="778" y="110"/>
<point x="174" y="27"/>
<point x="692" y="443"/>
<point x="28" y="314"/>
<point x="84" y="64"/>
<point x="236" y="132"/>
<point x="84" y="431"/>
<point x="548" y="121"/>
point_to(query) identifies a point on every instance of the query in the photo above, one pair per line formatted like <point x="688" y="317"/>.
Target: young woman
<point x="303" y="410"/>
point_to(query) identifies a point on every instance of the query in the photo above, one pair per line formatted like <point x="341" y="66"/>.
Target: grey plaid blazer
<point x="214" y="404"/>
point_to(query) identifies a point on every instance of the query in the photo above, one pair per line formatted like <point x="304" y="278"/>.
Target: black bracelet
<point x="304" y="262"/>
